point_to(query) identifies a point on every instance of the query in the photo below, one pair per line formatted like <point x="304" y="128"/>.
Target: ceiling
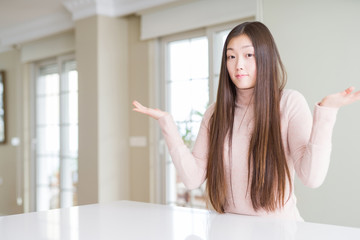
<point x="25" y="20"/>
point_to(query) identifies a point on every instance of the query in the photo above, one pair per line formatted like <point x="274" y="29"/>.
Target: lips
<point x="241" y="75"/>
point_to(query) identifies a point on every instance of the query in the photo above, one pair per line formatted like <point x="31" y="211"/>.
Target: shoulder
<point x="208" y="114"/>
<point x="290" y="97"/>
<point x="209" y="111"/>
<point x="292" y="101"/>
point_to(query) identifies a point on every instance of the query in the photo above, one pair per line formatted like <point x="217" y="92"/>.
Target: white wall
<point x="319" y="42"/>
<point x="10" y="165"/>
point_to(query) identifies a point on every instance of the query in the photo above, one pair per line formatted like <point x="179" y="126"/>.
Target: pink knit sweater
<point x="306" y="140"/>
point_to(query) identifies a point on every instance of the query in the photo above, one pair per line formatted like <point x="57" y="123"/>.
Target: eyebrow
<point x="246" y="46"/>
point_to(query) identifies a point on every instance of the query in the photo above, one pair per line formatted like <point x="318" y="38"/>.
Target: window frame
<point x="35" y="70"/>
<point x="165" y="97"/>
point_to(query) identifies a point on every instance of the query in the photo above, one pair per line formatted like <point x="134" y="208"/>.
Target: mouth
<point x="241" y="75"/>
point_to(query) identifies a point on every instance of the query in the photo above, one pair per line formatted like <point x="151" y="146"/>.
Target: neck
<point x="244" y="96"/>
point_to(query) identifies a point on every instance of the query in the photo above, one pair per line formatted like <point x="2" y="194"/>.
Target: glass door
<point x="56" y="130"/>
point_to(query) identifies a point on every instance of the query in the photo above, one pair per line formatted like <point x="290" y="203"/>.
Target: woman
<point x="257" y="135"/>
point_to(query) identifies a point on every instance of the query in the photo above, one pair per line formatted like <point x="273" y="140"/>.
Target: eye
<point x="249" y="55"/>
<point x="230" y="57"/>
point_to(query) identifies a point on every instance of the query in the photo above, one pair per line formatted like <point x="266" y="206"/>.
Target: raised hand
<point x="340" y="99"/>
<point x="154" y="113"/>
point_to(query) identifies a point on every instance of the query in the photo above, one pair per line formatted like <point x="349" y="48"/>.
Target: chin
<point x="245" y="87"/>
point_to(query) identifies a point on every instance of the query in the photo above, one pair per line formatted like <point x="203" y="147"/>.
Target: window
<point x="191" y="72"/>
<point x="56" y="134"/>
<point x="187" y="87"/>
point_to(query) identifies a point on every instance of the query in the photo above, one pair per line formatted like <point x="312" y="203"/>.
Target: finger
<point x="349" y="90"/>
<point x="140" y="108"/>
<point x="137" y="104"/>
<point x="357" y="95"/>
<point x="354" y="96"/>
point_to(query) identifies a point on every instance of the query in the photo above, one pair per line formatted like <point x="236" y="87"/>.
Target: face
<point x="240" y="62"/>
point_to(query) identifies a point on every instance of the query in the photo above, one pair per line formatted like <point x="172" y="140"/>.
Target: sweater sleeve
<point x="190" y="166"/>
<point x="309" y="140"/>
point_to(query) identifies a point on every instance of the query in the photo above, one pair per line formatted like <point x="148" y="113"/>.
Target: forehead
<point x="239" y="42"/>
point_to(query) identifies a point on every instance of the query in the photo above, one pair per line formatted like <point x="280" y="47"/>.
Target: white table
<point x="133" y="220"/>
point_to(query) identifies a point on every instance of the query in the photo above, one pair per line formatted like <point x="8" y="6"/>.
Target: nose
<point x="239" y="64"/>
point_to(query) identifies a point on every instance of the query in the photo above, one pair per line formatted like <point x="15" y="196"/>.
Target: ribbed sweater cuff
<point x="323" y="124"/>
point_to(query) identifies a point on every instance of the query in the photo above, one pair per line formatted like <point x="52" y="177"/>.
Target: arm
<point x="191" y="167"/>
<point x="310" y="138"/>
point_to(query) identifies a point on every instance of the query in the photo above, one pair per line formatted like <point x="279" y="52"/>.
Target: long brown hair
<point x="267" y="166"/>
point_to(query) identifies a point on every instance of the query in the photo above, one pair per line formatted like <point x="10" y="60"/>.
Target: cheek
<point x="253" y="68"/>
<point x="230" y="66"/>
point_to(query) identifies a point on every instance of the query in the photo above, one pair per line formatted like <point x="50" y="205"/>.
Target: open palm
<point x="340" y="99"/>
<point x="152" y="112"/>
